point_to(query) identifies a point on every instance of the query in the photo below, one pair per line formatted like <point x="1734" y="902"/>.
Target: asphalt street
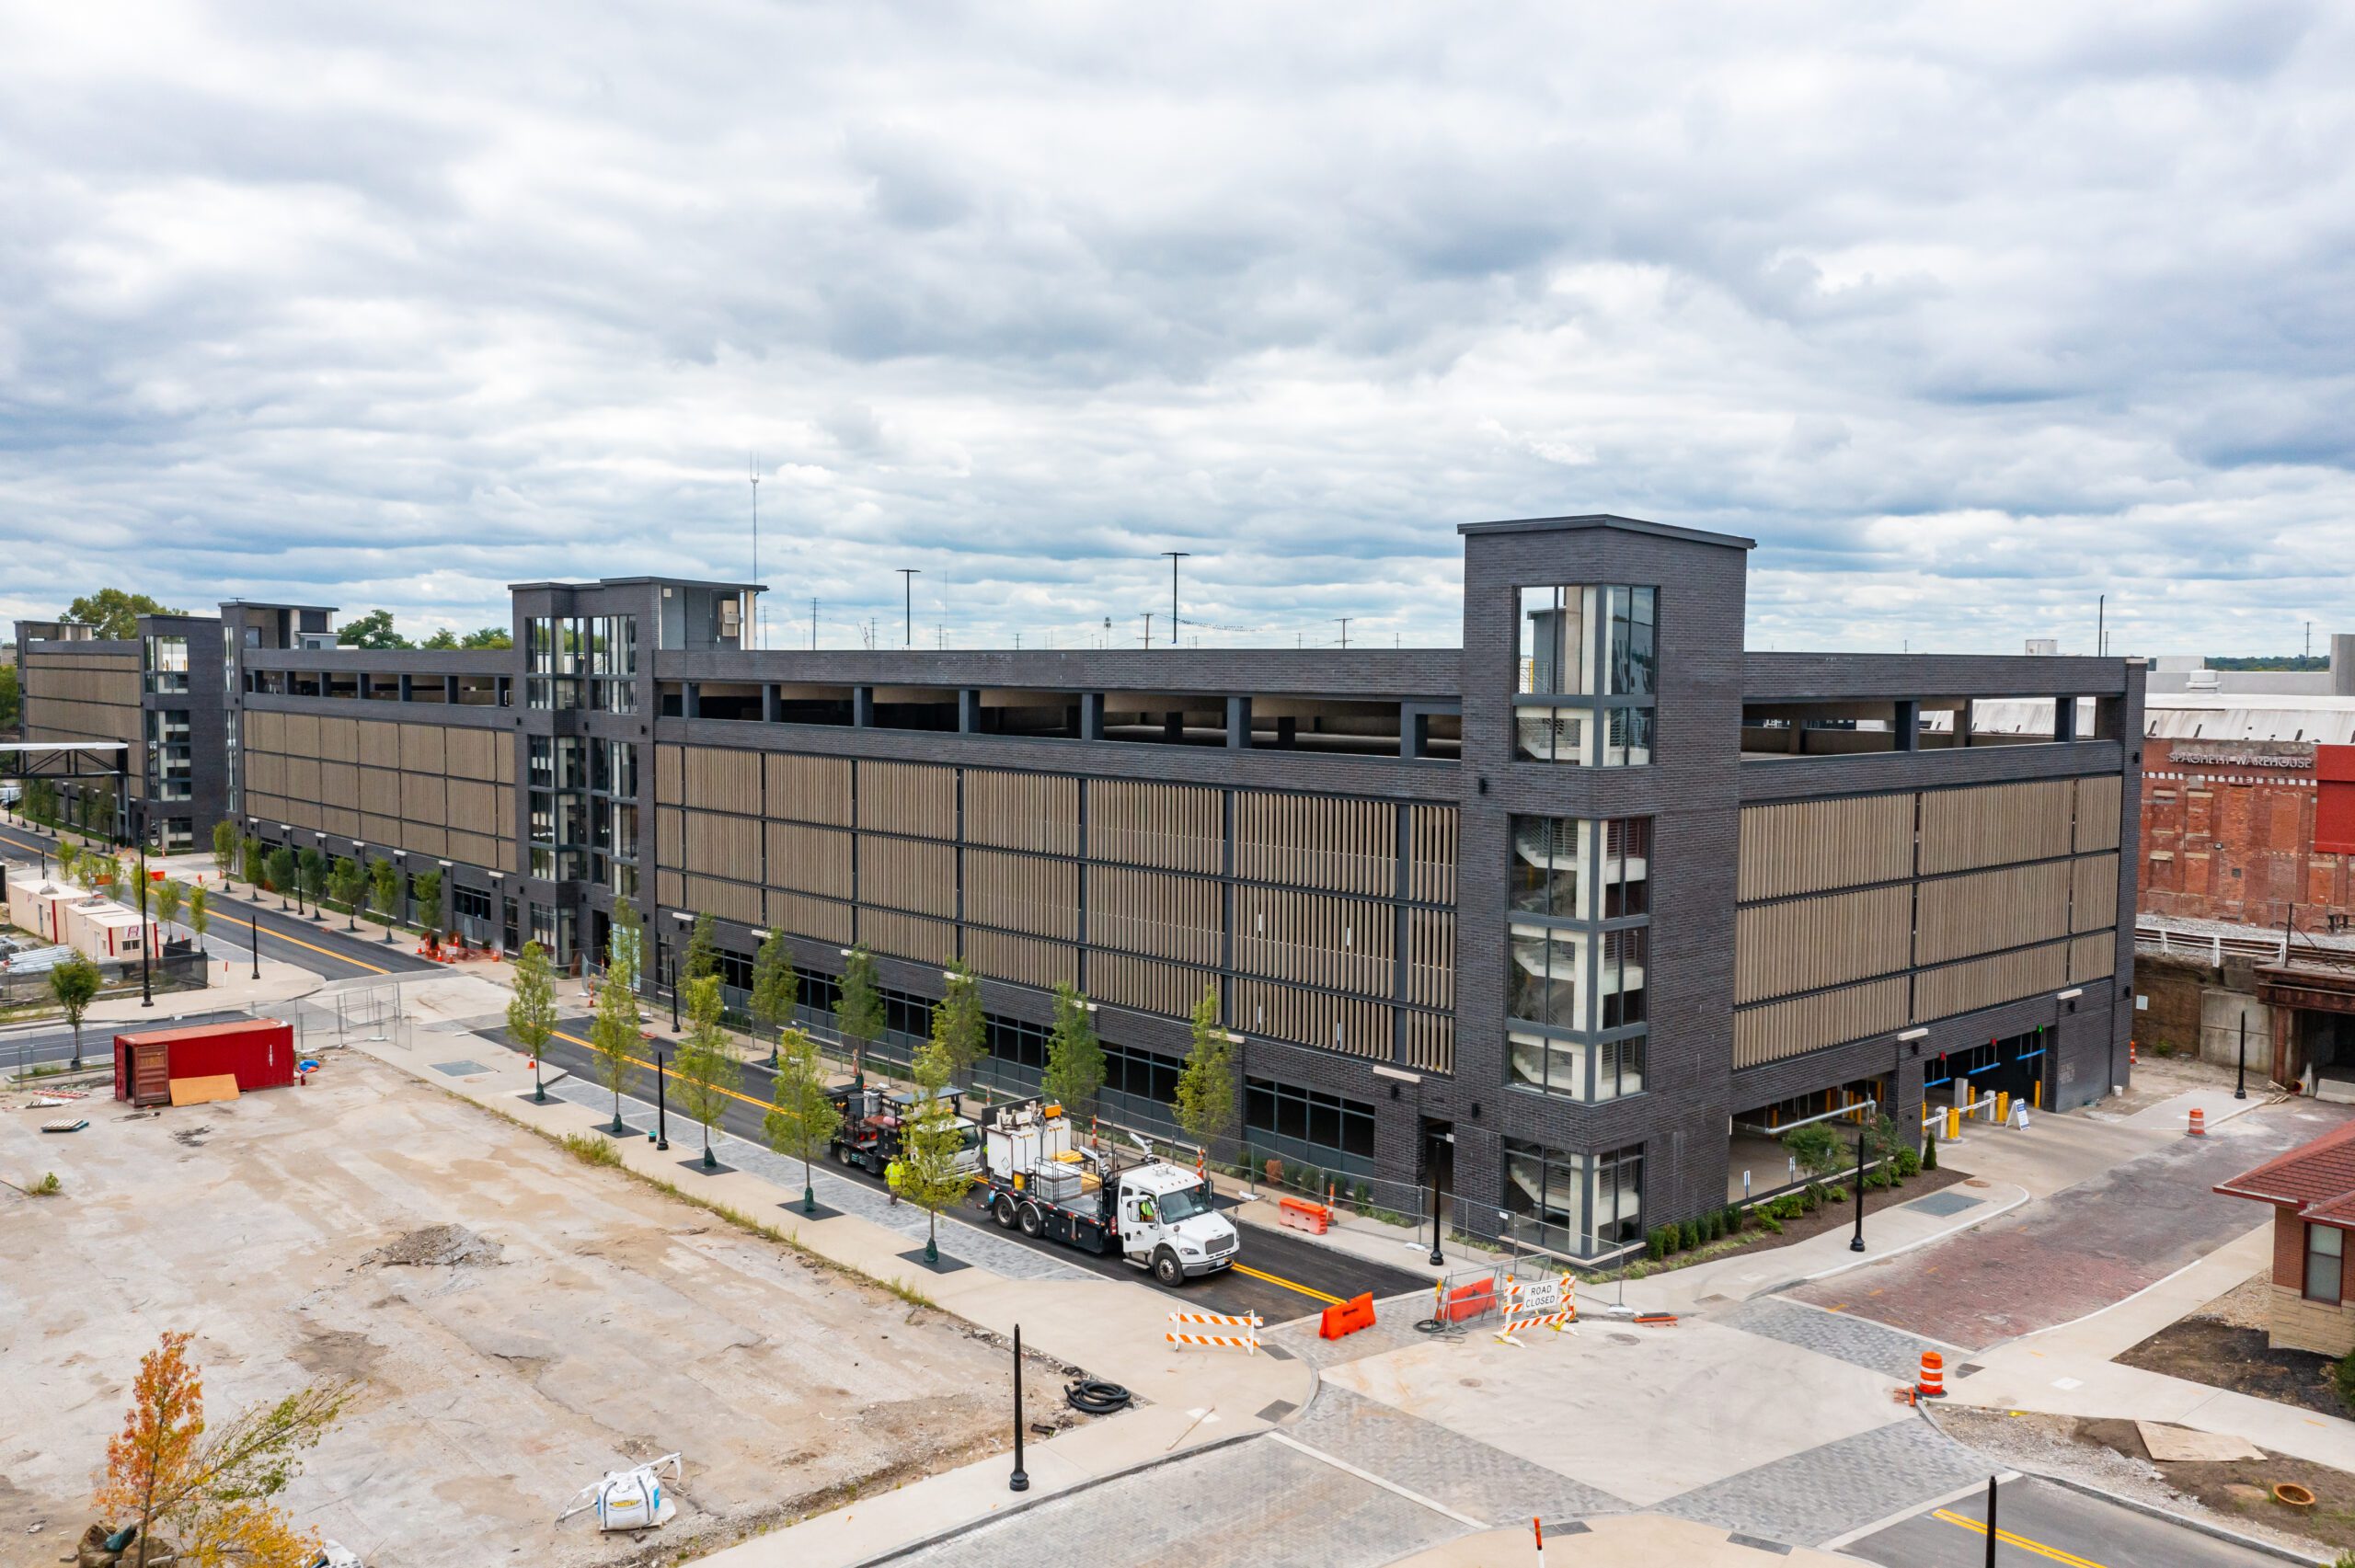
<point x="322" y="946"/>
<point x="2038" y="1522"/>
<point x="53" y="1042"/>
<point x="1278" y="1275"/>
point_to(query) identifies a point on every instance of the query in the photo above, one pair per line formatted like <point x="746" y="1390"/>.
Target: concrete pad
<point x="2216" y="1106"/>
<point x="1642" y="1416"/>
<point x="2169" y="1443"/>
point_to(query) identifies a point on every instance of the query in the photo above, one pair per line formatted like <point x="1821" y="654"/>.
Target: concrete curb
<point x="1916" y="1245"/>
<point x="908" y="1549"/>
<point x="2205" y="1528"/>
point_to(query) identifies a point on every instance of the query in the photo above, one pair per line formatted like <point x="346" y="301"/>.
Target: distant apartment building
<point x="1567" y="921"/>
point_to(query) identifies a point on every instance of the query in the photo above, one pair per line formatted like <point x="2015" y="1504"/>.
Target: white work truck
<point x="1156" y="1215"/>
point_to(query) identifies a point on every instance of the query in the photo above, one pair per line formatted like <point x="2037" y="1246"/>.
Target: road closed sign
<point x="1545" y="1298"/>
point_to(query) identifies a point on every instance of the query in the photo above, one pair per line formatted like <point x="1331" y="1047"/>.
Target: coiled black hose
<point x="1095" y="1396"/>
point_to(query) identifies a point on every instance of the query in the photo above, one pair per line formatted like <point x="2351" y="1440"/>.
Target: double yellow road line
<point x="2051" y="1554"/>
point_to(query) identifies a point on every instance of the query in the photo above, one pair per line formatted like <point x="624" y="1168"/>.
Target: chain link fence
<point x="371" y="1014"/>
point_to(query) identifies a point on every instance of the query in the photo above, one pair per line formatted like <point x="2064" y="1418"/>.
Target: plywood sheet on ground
<point x="204" y="1091"/>
<point x="2166" y="1442"/>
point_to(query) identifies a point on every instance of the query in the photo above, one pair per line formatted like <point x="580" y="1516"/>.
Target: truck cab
<point x="1166" y="1223"/>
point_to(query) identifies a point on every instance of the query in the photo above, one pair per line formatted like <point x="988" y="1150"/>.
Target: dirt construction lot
<point x="571" y="1317"/>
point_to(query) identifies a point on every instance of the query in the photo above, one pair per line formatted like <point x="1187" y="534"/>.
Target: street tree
<point x="250" y="861"/>
<point x="957" y="1031"/>
<point x="702" y="961"/>
<point x="801" y="1117"/>
<point x="312" y="866"/>
<point x="224" y="848"/>
<point x="531" y="1014"/>
<point x="199" y="913"/>
<point x="614" y="1035"/>
<point x="170" y="896"/>
<point x="708" y="1072"/>
<point x="280" y="863"/>
<point x="12" y="697"/>
<point x="776" y="988"/>
<point x="930" y="1175"/>
<point x="212" y="1486"/>
<point x="427" y="892"/>
<point x="858" y="1012"/>
<point x="345" y="883"/>
<point x="1206" y="1087"/>
<point x="384" y="891"/>
<point x="626" y="947"/>
<point x="1074" y="1072"/>
<point x="75" y="983"/>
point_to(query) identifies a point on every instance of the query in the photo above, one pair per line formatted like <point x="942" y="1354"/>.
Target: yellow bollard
<point x="2003" y="1107"/>
<point x="2039" y="1101"/>
<point x="1954" y="1123"/>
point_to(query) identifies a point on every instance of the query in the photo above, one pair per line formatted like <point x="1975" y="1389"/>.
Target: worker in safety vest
<point x="891" y="1179"/>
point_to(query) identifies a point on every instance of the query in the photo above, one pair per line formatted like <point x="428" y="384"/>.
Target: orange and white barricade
<point x="1545" y="1304"/>
<point x="1247" y="1342"/>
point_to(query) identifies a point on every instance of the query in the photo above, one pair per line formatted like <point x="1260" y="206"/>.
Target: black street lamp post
<point x="146" y="986"/>
<point x="2240" y="1070"/>
<point x="253" y="929"/>
<point x="662" y="1106"/>
<point x="1438" y="1259"/>
<point x="1857" y="1242"/>
<point x="1020" y="1480"/>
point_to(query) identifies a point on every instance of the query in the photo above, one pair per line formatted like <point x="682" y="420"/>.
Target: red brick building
<point x="2312" y="1190"/>
<point x="2243" y="830"/>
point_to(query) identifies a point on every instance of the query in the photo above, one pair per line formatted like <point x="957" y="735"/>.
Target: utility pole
<point x="1345" y="621"/>
<point x="813" y="625"/>
<point x="1175" y="556"/>
<point x="1148" y="628"/>
<point x="908" y="576"/>
<point x="2101" y="635"/>
<point x="755" y="465"/>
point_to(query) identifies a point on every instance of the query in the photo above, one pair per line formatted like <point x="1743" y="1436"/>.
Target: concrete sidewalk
<point x="2068" y="1369"/>
<point x="1110" y="1328"/>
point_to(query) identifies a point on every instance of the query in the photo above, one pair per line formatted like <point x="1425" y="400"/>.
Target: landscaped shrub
<point x="1656" y="1244"/>
<point x="2343" y="1375"/>
<point x="1817" y="1148"/>
<point x="1691" y="1234"/>
<point x="1712" y="1226"/>
<point x="1810" y="1196"/>
<point x="1767" y="1221"/>
<point x="1930" y="1154"/>
<point x="1909" y="1163"/>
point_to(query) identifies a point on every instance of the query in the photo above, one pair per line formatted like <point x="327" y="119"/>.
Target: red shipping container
<point x="259" y="1052"/>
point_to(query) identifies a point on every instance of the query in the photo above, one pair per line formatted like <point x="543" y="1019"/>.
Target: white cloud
<point x="1968" y="316"/>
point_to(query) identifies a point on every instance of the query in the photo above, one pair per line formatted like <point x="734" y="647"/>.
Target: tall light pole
<point x="1175" y="556"/>
<point x="908" y="576"/>
<point x="2240" y="1071"/>
<point x="146" y="988"/>
<point x="755" y="465"/>
<point x="1857" y="1242"/>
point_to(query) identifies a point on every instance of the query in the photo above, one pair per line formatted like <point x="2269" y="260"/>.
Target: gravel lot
<point x="517" y="1323"/>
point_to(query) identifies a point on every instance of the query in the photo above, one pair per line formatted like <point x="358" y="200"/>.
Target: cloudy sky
<point x="1968" y="314"/>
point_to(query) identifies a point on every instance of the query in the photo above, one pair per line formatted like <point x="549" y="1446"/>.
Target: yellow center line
<point x="1288" y="1285"/>
<point x="37" y="849"/>
<point x="281" y="936"/>
<point x="2067" y="1558"/>
<point x="763" y="1104"/>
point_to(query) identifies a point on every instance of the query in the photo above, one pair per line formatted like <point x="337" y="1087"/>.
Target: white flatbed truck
<point x="1133" y="1206"/>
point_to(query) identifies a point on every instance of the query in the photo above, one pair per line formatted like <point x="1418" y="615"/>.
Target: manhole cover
<point x="1625" y="1338"/>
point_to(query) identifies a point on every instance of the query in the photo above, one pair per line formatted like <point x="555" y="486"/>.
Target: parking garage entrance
<point x="2013" y="1065"/>
<point x="1756" y="1162"/>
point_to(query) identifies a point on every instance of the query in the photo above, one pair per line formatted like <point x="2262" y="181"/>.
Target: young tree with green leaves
<point x="802" y="1117"/>
<point x="930" y="1175"/>
<point x="113" y="614"/>
<point x="624" y="945"/>
<point x="384" y="891"/>
<point x="702" y="961"/>
<point x="280" y="863"/>
<point x="489" y="637"/>
<point x="75" y="983"/>
<point x="427" y="892"/>
<point x="858" y="1014"/>
<point x="345" y="882"/>
<point x="170" y="896"/>
<point x="311" y="868"/>
<point x="707" y="1070"/>
<point x="957" y="1031"/>
<point x="531" y="1014"/>
<point x="614" y="1035"/>
<point x="250" y="864"/>
<point x="373" y="630"/>
<point x="777" y="989"/>
<point x="1206" y="1087"/>
<point x="1074" y="1057"/>
<point x="200" y="914"/>
<point x="224" y="848"/>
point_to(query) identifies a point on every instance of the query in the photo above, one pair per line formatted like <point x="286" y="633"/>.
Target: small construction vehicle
<point x="1101" y="1199"/>
<point x="872" y="1120"/>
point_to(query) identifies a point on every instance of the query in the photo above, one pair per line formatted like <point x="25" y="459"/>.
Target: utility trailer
<point x="1127" y="1204"/>
<point x="872" y="1123"/>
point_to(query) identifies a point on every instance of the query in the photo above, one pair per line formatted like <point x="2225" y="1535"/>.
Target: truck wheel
<point x="842" y="1154"/>
<point x="1168" y="1269"/>
<point x="1032" y="1221"/>
<point x="1003" y="1211"/>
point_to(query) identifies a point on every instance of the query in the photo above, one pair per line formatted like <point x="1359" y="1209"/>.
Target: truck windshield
<point x="1183" y="1204"/>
